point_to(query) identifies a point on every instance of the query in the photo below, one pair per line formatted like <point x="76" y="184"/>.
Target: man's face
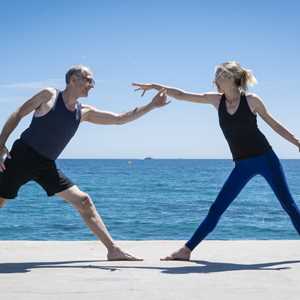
<point x="84" y="82"/>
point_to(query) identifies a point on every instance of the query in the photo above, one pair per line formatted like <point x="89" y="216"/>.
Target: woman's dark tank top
<point x="241" y="131"/>
<point x="49" y="134"/>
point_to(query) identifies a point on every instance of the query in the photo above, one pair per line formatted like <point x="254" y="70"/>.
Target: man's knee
<point x="84" y="203"/>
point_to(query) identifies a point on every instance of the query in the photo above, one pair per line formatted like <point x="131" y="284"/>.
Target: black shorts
<point x="25" y="165"/>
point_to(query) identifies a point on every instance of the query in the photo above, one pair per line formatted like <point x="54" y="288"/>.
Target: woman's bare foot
<point x="183" y="253"/>
<point x="115" y="253"/>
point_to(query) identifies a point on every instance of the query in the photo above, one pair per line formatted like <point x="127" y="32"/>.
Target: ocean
<point x="150" y="200"/>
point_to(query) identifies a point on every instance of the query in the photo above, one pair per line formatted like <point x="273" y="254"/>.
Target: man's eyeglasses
<point x="90" y="80"/>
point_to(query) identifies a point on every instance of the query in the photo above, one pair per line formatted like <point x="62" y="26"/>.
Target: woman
<point x="250" y="150"/>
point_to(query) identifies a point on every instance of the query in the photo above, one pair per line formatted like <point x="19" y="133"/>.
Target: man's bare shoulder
<point x="45" y="100"/>
<point x="85" y="110"/>
<point x="47" y="93"/>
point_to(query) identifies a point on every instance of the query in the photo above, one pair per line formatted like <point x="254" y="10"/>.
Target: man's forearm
<point x="8" y="127"/>
<point x="135" y="113"/>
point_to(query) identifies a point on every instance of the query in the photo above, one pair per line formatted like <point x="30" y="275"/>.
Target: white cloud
<point x="11" y="99"/>
<point x="33" y="84"/>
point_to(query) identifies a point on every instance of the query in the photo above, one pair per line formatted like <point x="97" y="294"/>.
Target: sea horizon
<point x="154" y="199"/>
<point x="152" y="158"/>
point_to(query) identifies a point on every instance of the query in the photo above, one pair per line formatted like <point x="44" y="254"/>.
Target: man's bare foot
<point x="115" y="253"/>
<point x="2" y="202"/>
<point x="183" y="253"/>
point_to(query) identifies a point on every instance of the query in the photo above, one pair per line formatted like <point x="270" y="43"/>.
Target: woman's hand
<point x="143" y="87"/>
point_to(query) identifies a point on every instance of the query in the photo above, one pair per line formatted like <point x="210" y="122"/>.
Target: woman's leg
<point x="230" y="190"/>
<point x="274" y="175"/>
<point x="238" y="178"/>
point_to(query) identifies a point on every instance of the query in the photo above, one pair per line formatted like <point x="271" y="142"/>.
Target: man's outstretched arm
<point x="93" y="115"/>
<point x="15" y="118"/>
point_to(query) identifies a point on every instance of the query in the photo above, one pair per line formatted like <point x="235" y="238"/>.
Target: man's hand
<point x="4" y="153"/>
<point x="143" y="87"/>
<point x="160" y="99"/>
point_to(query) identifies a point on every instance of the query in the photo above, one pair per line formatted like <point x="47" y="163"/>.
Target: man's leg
<point x="86" y="208"/>
<point x="2" y="202"/>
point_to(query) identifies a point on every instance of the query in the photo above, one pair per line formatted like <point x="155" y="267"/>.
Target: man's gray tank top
<point x="49" y="134"/>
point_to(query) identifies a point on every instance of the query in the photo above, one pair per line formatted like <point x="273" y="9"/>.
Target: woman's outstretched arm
<point x="261" y="109"/>
<point x="206" y="98"/>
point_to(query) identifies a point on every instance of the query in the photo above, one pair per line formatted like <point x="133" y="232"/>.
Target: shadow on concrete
<point x="7" y="268"/>
<point x="194" y="266"/>
<point x="214" y="267"/>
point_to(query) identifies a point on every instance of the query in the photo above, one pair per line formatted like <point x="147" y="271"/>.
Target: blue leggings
<point x="267" y="165"/>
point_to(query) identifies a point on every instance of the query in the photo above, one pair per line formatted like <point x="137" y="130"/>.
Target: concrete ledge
<point x="219" y="270"/>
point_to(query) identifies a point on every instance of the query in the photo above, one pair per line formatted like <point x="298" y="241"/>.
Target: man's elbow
<point x="18" y="115"/>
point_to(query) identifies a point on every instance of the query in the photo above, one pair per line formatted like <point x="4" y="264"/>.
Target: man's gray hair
<point x="76" y="70"/>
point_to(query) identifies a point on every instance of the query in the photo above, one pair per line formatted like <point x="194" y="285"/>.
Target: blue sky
<point x="177" y="43"/>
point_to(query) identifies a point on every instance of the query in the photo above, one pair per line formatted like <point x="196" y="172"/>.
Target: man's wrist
<point x="151" y="105"/>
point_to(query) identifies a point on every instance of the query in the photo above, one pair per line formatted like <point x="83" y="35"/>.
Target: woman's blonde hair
<point x="243" y="77"/>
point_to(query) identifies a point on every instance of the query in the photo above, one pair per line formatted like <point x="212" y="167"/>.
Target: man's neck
<point x="69" y="98"/>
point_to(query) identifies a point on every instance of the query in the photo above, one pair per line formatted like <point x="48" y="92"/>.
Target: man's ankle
<point x="111" y="247"/>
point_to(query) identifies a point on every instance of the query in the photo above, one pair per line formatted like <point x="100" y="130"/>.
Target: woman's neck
<point x="233" y="95"/>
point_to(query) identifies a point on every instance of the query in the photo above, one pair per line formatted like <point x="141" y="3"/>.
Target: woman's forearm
<point x="173" y="92"/>
<point x="285" y="133"/>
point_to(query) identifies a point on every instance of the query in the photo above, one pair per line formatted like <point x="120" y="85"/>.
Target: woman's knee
<point x="215" y="211"/>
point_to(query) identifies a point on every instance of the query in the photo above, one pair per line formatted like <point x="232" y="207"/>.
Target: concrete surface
<point x="218" y="270"/>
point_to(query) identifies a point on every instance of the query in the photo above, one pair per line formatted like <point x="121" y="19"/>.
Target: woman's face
<point x="223" y="80"/>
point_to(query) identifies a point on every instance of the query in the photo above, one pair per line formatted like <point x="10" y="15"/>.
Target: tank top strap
<point x="222" y="103"/>
<point x="243" y="98"/>
<point x="57" y="100"/>
<point x="78" y="111"/>
<point x="245" y="105"/>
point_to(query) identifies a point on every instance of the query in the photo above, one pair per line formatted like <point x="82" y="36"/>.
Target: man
<point x="57" y="116"/>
